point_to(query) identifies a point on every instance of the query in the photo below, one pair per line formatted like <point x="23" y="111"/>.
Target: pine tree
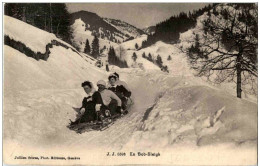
<point x="136" y="46"/>
<point x="143" y="55"/>
<point x="114" y="57"/>
<point x="51" y="17"/>
<point x="159" y="61"/>
<point x="169" y="58"/>
<point x="87" y="47"/>
<point x="150" y="57"/>
<point x="95" y="47"/>
<point x="111" y="56"/>
<point x="170" y="29"/>
<point x="60" y="20"/>
<point x="134" y="57"/>
<point x="114" y="60"/>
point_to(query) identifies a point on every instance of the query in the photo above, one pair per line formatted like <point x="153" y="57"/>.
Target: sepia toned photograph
<point x="162" y="83"/>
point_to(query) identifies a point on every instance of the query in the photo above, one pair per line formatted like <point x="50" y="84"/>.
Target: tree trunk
<point x="45" y="22"/>
<point x="238" y="68"/>
<point x="57" y="30"/>
<point x="50" y="19"/>
<point x="24" y="14"/>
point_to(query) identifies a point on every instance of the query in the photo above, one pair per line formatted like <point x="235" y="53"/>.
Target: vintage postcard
<point x="130" y="83"/>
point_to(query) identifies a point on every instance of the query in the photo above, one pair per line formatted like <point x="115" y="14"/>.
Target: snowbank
<point x="173" y="113"/>
<point x="196" y="120"/>
<point x="195" y="115"/>
<point x="33" y="37"/>
<point x="64" y="68"/>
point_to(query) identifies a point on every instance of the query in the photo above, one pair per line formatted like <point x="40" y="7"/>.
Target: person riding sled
<point x="110" y="100"/>
<point x="120" y="88"/>
<point x="89" y="104"/>
<point x="121" y="83"/>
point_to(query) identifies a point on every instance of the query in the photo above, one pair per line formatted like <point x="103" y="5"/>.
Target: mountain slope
<point x="175" y="115"/>
<point x="149" y="30"/>
<point x="99" y="27"/>
<point x="80" y="35"/>
<point x="124" y="27"/>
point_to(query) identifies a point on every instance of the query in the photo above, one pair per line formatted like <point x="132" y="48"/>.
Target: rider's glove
<point x="98" y="107"/>
<point x="120" y="109"/>
<point x="82" y="111"/>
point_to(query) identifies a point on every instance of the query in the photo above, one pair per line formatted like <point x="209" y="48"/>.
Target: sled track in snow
<point x="117" y="135"/>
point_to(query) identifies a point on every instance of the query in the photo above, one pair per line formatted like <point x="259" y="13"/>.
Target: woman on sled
<point x="90" y="102"/>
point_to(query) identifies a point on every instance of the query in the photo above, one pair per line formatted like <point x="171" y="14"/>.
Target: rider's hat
<point x="101" y="82"/>
<point x="112" y="76"/>
<point x="117" y="75"/>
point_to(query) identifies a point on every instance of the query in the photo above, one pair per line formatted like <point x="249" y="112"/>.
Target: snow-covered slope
<point x="176" y="115"/>
<point x="188" y="38"/>
<point x="149" y="30"/>
<point x="191" y="113"/>
<point x="130" y="45"/>
<point x="102" y="28"/>
<point x="124" y="27"/>
<point x="80" y="35"/>
<point x="178" y="64"/>
<point x="64" y="68"/>
<point x="25" y="33"/>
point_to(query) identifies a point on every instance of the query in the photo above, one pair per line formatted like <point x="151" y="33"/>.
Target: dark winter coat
<point x="89" y="103"/>
<point x="120" y="91"/>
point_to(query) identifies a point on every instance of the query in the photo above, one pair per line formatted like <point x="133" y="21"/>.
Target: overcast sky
<point x="138" y="14"/>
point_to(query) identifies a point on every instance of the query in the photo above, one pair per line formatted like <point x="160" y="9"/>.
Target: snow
<point x="26" y="34"/>
<point x="249" y="86"/>
<point x="192" y="111"/>
<point x="176" y="114"/>
<point x="131" y="44"/>
<point x="123" y="27"/>
<point x="31" y="36"/>
<point x="177" y="66"/>
<point x="56" y="72"/>
<point x="80" y="36"/>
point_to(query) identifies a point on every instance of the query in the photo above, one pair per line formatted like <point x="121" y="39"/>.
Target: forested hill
<point x="50" y="17"/>
<point x="170" y="29"/>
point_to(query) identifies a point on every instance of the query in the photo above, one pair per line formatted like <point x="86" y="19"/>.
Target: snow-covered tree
<point x="228" y="47"/>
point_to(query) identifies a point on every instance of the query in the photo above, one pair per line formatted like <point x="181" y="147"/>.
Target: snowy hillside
<point x="149" y="30"/>
<point x="177" y="65"/>
<point x="130" y="45"/>
<point x="124" y="27"/>
<point x="36" y="43"/>
<point x="188" y="38"/>
<point x="175" y="113"/>
<point x="104" y="28"/>
<point x="80" y="35"/>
